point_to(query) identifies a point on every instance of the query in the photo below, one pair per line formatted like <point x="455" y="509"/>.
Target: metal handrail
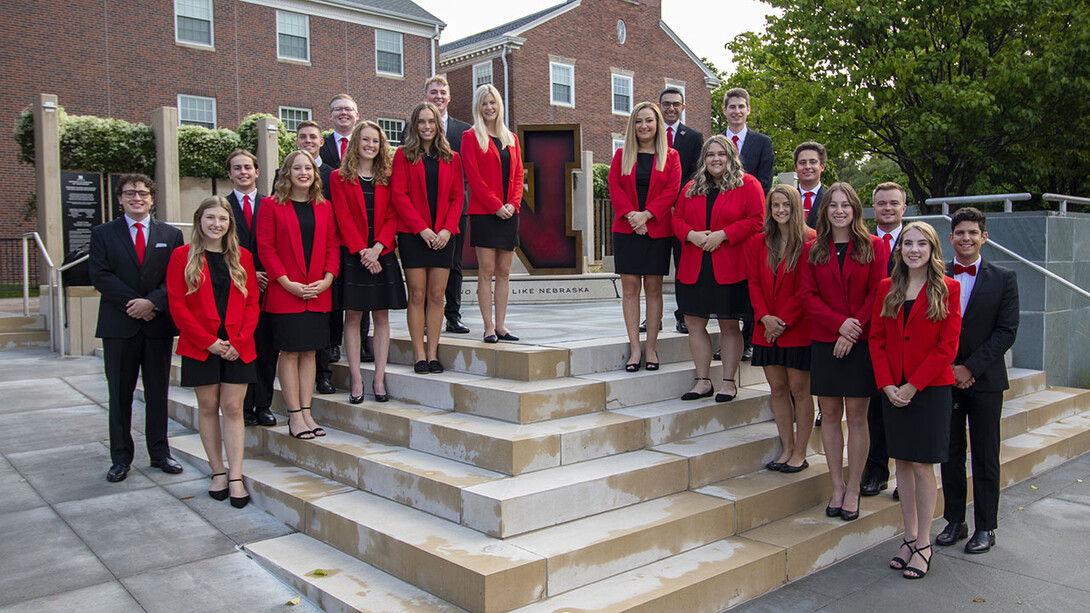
<point x="49" y="288"/>
<point x="1006" y="199"/>
<point x="60" y="296"/>
<point x="1063" y="199"/>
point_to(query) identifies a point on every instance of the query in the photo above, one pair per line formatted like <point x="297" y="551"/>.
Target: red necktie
<point x="971" y="270"/>
<point x="248" y="210"/>
<point x="139" y="244"/>
<point x="344" y="146"/>
<point x="889" y="242"/>
<point x="807" y="203"/>
<point x="734" y="139"/>
<point x="670" y="136"/>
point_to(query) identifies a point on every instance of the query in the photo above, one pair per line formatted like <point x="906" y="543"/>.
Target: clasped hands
<point x="140" y="308"/>
<point x="850" y="331"/>
<point x="224" y="350"/>
<point x="506" y="211"/>
<point x="707" y="239"/>
<point x="369" y="258"/>
<point x="436" y="241"/>
<point x="900" y="396"/>
<point x="774" y="327"/>
<point x="963" y="377"/>
<point x="307" y="291"/>
<point x="638" y="220"/>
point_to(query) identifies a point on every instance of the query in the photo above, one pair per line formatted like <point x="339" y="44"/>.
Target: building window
<point x="292" y="36"/>
<point x="562" y="84"/>
<point x="617" y="143"/>
<point x="393" y="129"/>
<point x="622" y="94"/>
<point x="482" y="74"/>
<point x="193" y="22"/>
<point x="293" y="116"/>
<point x="197" y="111"/>
<point x="388" y="52"/>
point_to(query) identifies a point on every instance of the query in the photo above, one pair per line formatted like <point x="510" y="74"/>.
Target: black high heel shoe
<point x="357" y="399"/>
<point x="301" y="435"/>
<point x="694" y="395"/>
<point x="727" y="397"/>
<point x="911" y="572"/>
<point x="240" y="501"/>
<point x="317" y="431"/>
<point x="899" y="563"/>
<point x="218" y="494"/>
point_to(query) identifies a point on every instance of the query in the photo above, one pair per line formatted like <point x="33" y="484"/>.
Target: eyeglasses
<point x="671" y="104"/>
<point x="136" y="193"/>
<point x="344" y="109"/>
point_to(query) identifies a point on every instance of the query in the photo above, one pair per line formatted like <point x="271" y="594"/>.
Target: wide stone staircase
<point x="543" y="478"/>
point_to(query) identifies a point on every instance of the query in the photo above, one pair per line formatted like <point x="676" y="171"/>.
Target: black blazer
<point x="330" y="153"/>
<point x="757" y="156"/>
<point x="811" y="219"/>
<point x="988" y="325"/>
<point x="119" y="277"/>
<point x="247" y="236"/>
<point x="688" y="143"/>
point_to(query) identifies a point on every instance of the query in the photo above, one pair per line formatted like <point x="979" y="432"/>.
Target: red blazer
<point x="484" y="172"/>
<point x="410" y="195"/>
<point x="832" y="297"/>
<point x="776" y="294"/>
<point x="926" y="354"/>
<point x="350" y="209"/>
<point x="661" y="194"/>
<point x="280" y="248"/>
<point x="739" y="212"/>
<point x="196" y="315"/>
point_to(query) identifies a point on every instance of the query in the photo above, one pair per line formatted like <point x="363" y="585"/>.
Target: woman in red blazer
<point x="841" y="270"/>
<point x="781" y="337"/>
<point x="493" y="167"/>
<point x="298" y="244"/>
<point x="915" y="327"/>
<point x="643" y="185"/>
<point x="213" y="294"/>
<point x="719" y="211"/>
<point x="370" y="274"/>
<point x="427" y="194"/>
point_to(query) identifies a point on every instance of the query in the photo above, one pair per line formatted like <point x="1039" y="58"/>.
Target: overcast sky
<point x="704" y="25"/>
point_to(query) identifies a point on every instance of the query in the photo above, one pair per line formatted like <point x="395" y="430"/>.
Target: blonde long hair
<point x="480" y="124"/>
<point x="632" y="146"/>
<point x="380" y="167"/>
<point x="862" y="250"/>
<point x="413" y="148"/>
<point x="936" y="270"/>
<point x="282" y="188"/>
<point x="703" y="182"/>
<point x="785" y="246"/>
<point x="194" y="267"/>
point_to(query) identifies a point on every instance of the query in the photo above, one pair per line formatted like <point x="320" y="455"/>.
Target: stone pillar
<point x="47" y="165"/>
<point x="168" y="200"/>
<point x="268" y="153"/>
<point x="582" y="213"/>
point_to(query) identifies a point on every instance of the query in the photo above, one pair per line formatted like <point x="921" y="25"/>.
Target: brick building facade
<point x="582" y="61"/>
<point x="284" y="57"/>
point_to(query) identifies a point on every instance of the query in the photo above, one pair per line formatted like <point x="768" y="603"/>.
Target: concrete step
<point x="1024" y="381"/>
<point x="610" y="354"/>
<point x="624" y="389"/>
<point x="673" y="420"/>
<point x="20" y="323"/>
<point x="24" y="339"/>
<point x="524" y="402"/>
<point x="472" y="355"/>
<point x="387" y="422"/>
<point x="730" y="453"/>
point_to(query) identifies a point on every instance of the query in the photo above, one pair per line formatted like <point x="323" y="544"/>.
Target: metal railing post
<point x="26" y="277"/>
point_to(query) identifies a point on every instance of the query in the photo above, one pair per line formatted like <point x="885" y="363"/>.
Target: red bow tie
<point x="958" y="269"/>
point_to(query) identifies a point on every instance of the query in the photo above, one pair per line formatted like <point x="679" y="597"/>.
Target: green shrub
<point x="247" y="134"/>
<point x="201" y="151"/>
<point x="601" y="181"/>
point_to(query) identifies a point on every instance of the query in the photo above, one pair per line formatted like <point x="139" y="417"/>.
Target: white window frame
<point x="617" y="143"/>
<point x="294" y="109"/>
<point x="306" y="21"/>
<point x="613" y="93"/>
<point x="192" y="122"/>
<point x="478" y="73"/>
<point x="211" y="44"/>
<point x="392" y="126"/>
<point x="571" y="71"/>
<point x="400" y="53"/>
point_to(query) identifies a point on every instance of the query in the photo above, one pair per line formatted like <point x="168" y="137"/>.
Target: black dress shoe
<point x="355" y="399"/>
<point x="117" y="473"/>
<point x="435" y="366"/>
<point x="775" y="466"/>
<point x="335" y="353"/>
<point x="325" y="385"/>
<point x="831" y="511"/>
<point x="491" y="339"/>
<point x="952" y="533"/>
<point x="249" y="417"/>
<point x="239" y="501"/>
<point x="747" y="354"/>
<point x="265" y="416"/>
<point x="787" y="468"/>
<point x="681" y="327"/>
<point x="982" y="542"/>
<point x="168" y="465"/>
<point x="872" y="486"/>
<point x="643" y="326"/>
<point x="421" y="367"/>
<point x="366" y="357"/>
<point x="507" y="336"/>
<point x="382" y="397"/>
<point x="456" y="326"/>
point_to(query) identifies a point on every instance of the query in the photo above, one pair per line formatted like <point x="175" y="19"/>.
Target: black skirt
<point x="920" y="431"/>
<point x="415" y="253"/>
<point x="306" y="331"/>
<point x="215" y="370"/>
<point x="851" y="376"/>
<point x="639" y="254"/>
<point x="709" y="299"/>
<point x="789" y="357"/>
<point x="364" y="291"/>
<point x="491" y="232"/>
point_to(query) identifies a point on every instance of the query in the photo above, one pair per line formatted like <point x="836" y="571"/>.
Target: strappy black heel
<point x="299" y="435"/>
<point x="897" y="563"/>
<point x="695" y="395"/>
<point x="218" y="494"/>
<point x="911" y="572"/>
<point x="239" y="501"/>
<point x="727" y="397"/>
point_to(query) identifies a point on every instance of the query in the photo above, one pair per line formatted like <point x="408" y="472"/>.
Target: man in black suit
<point x="343" y="114"/>
<point x="128" y="266"/>
<point x="810" y="158"/>
<point x="243" y="172"/>
<point x="688" y="143"/>
<point x="888" y="202"/>
<point x="989" y="324"/>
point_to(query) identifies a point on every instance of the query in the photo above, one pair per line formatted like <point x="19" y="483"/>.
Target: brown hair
<point x="134" y="177"/>
<point x="380" y="167"/>
<point x="237" y="152"/>
<point x="862" y="250"/>
<point x="194" y="267"/>
<point x="937" y="292"/>
<point x="810" y="145"/>
<point x="282" y="188"/>
<point x="737" y="92"/>
<point x="413" y="147"/>
<point x="702" y="182"/>
<point x="785" y="246"/>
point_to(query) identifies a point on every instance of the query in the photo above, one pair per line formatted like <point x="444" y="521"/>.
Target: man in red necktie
<point x="754" y="148"/>
<point x="344" y="115"/>
<point x="810" y="160"/>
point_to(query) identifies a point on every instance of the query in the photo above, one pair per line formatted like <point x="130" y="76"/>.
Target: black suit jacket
<point x="688" y="143"/>
<point x="757" y="156"/>
<point x="330" y="153"/>
<point x="119" y="277"/>
<point x="988" y="325"/>
<point x="247" y="236"/>
<point x="811" y="219"/>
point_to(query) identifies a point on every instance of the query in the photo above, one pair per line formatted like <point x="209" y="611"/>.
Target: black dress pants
<point x="260" y="393"/>
<point x="125" y="359"/>
<point x="453" y="307"/>
<point x="878" y="457"/>
<point x="983" y="411"/>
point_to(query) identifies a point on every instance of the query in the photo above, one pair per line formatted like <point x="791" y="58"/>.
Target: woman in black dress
<point x="217" y="343"/>
<point x="644" y="179"/>
<point x="299" y="247"/>
<point x="720" y="209"/>
<point x="370" y="274"/>
<point x="493" y="168"/>
<point x="914" y="336"/>
<point x="427" y="195"/>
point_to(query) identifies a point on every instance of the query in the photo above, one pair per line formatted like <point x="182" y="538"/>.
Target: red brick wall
<point x="147" y="70"/>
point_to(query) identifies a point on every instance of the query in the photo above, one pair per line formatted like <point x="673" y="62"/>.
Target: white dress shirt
<point x="132" y="228"/>
<point x="967" y="282"/>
